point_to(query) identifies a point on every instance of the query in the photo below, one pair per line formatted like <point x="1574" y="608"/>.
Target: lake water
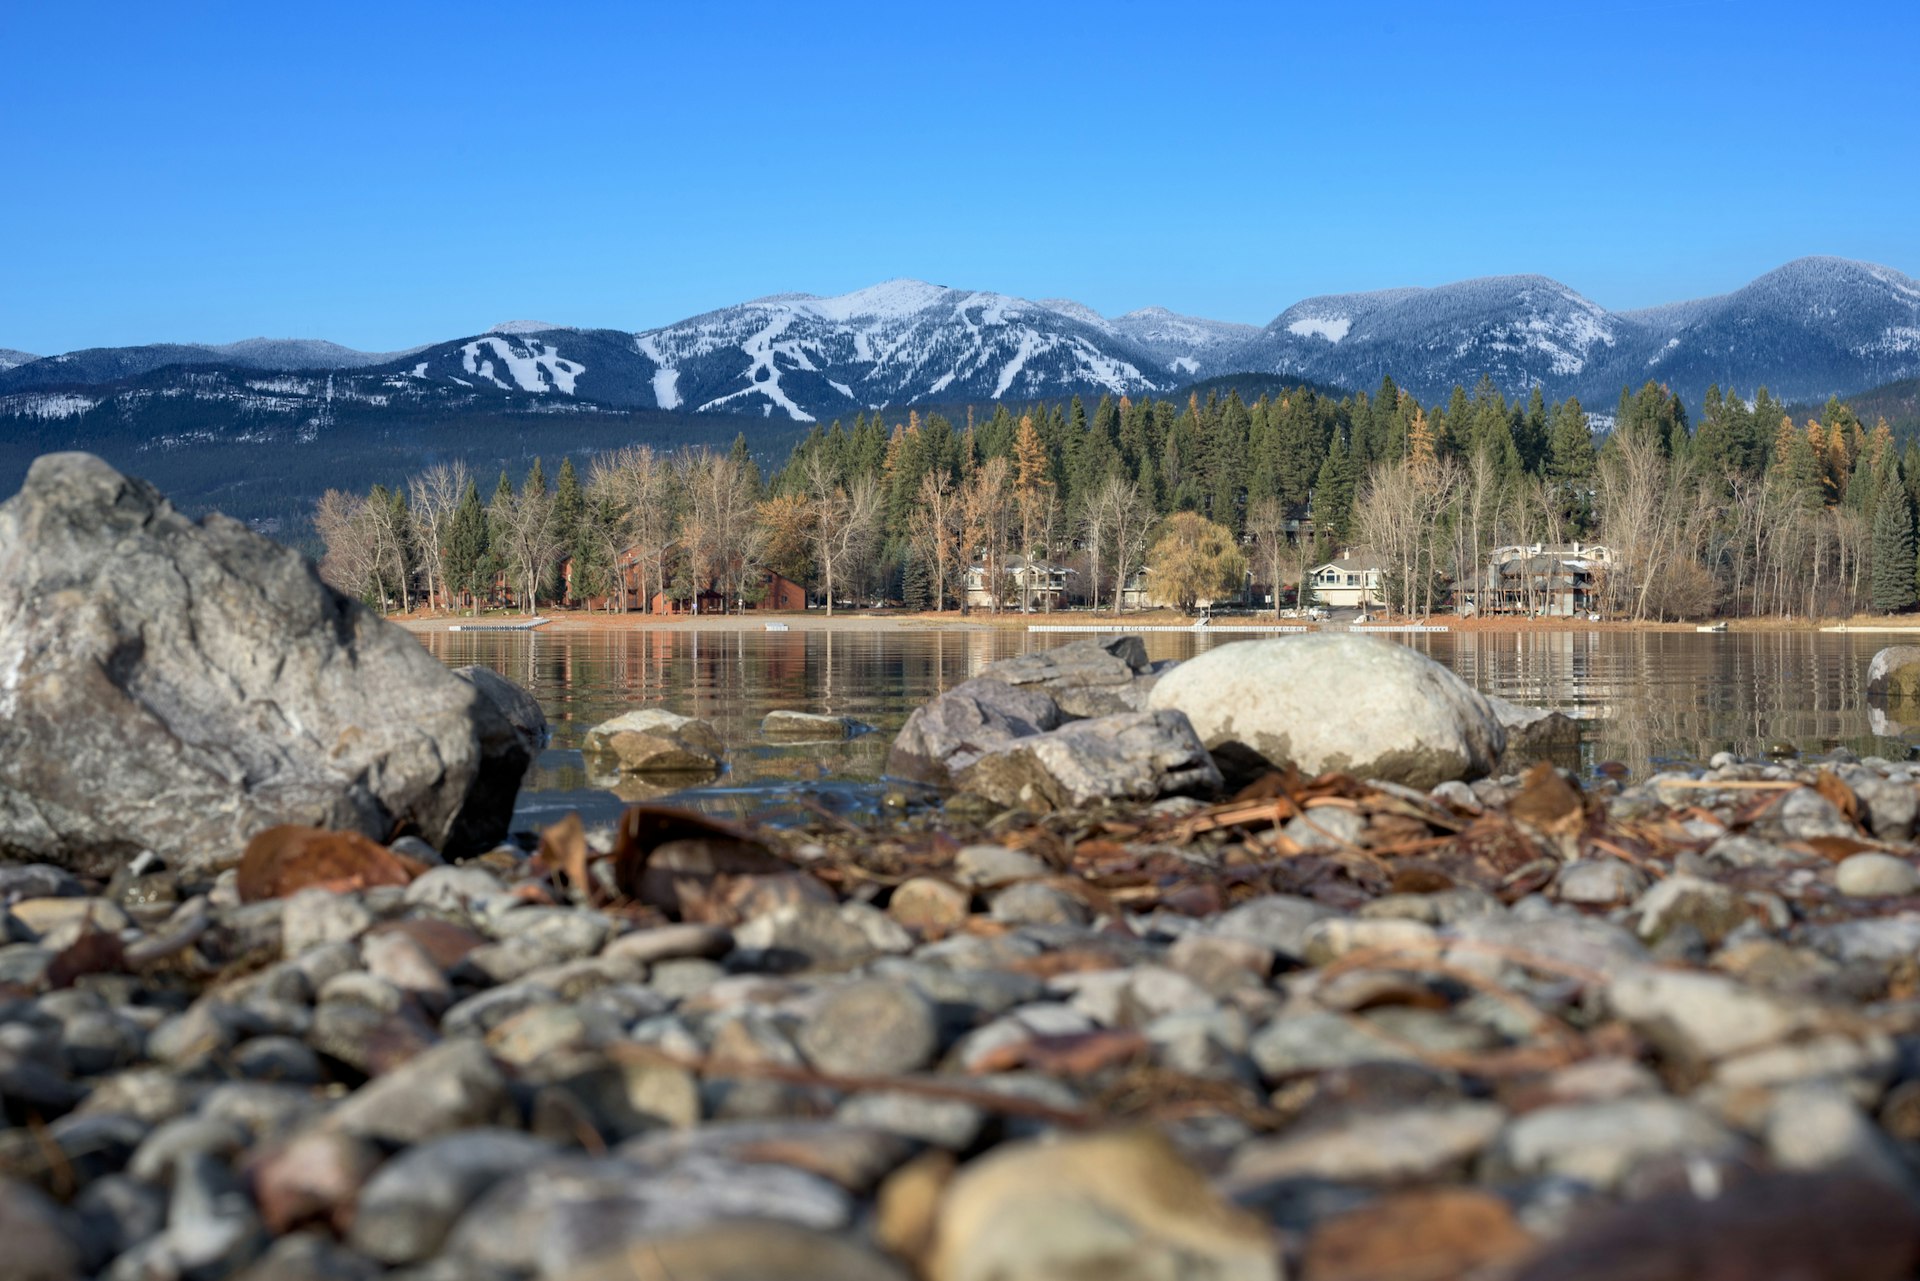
<point x="1643" y="699"/>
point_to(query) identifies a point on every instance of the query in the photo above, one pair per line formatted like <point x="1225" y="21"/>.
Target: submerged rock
<point x="1335" y="702"/>
<point x="655" y="741"/>
<point x="949" y="733"/>
<point x="1894" y="674"/>
<point x="1533" y="732"/>
<point x="1097" y="677"/>
<point x="1135" y="756"/>
<point x="177" y="686"/>
<point x="808" y="726"/>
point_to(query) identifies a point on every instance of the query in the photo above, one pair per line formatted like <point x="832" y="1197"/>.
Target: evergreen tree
<point x="916" y="583"/>
<point x="467" y="545"/>
<point x="570" y="518"/>
<point x="1333" y="493"/>
<point x="1892" y="585"/>
<point x="1572" y="463"/>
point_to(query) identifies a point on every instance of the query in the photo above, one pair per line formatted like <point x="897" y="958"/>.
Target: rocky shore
<point x="1295" y="960"/>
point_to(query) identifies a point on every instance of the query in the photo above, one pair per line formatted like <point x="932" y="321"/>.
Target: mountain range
<point x="1813" y="328"/>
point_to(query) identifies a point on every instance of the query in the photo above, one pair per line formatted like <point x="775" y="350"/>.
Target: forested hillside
<point x="1751" y="510"/>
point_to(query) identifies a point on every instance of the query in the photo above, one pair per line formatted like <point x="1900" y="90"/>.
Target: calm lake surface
<point x="1643" y="699"/>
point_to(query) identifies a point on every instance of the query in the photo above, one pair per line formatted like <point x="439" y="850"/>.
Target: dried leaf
<point x="287" y="859"/>
<point x="1810" y="1227"/>
<point x="1547" y="801"/>
<point x="1076" y="1054"/>
<point x="1828" y="784"/>
<point x="94" y="952"/>
<point x="563" y="849"/>
<point x="1431" y="1235"/>
<point x="1835" y="848"/>
<point x="660" y="851"/>
<point x="445" y="943"/>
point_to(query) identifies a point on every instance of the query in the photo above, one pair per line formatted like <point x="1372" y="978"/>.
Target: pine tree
<point x="467" y="545"/>
<point x="1333" y="493"/>
<point x="570" y="519"/>
<point x="916" y="584"/>
<point x="1892" y="585"/>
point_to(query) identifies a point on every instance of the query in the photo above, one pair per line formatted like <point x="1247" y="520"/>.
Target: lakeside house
<point x="1041" y="585"/>
<point x="777" y="592"/>
<point x="1541" y="580"/>
<point x="1351" y="582"/>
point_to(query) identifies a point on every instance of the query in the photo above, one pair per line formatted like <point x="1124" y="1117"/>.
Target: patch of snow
<point x="1896" y="340"/>
<point x="763" y="376"/>
<point x="1331" y="328"/>
<point x="535" y="366"/>
<point x="1029" y="348"/>
<point x="48" y="407"/>
<point x="1184" y="365"/>
<point x="666" y="378"/>
<point x="282" y="386"/>
<point x="892" y="299"/>
<point x="842" y="388"/>
<point x="1078" y="311"/>
<point x="420" y="370"/>
<point x="666" y="387"/>
<point x="1895" y="281"/>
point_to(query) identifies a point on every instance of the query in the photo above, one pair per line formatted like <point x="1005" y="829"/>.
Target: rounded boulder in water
<point x="1356" y="704"/>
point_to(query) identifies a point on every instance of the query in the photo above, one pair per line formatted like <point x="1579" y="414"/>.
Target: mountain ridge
<point x="1813" y="327"/>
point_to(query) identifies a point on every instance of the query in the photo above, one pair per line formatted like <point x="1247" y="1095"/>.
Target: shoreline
<point x="953" y="621"/>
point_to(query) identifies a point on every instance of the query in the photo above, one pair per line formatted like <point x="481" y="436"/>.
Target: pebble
<point x="871" y="1029"/>
<point x="1876" y="876"/>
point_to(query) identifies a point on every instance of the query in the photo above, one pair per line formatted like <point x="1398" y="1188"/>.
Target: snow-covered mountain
<point x="1814" y="327"/>
<point x="897" y="343"/>
<point x="95" y="365"/>
<point x="1521" y="331"/>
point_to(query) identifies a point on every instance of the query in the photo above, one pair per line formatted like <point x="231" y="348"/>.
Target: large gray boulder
<point x="1094" y="677"/>
<point x="951" y="731"/>
<point x="1334" y="701"/>
<point x="175" y="685"/>
<point x="1130" y="756"/>
<point x="1894" y="674"/>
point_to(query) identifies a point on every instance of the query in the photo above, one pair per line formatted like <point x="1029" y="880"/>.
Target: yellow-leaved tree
<point x="1193" y="560"/>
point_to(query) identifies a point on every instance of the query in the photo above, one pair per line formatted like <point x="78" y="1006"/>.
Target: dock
<point x="1121" y="629"/>
<point x="524" y="625"/>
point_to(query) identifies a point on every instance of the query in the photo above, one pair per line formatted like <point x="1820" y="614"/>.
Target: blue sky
<point x="392" y="174"/>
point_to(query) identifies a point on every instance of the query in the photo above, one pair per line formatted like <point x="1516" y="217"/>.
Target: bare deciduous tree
<point x="988" y="517"/>
<point x="844" y="521"/>
<point x="1267" y="523"/>
<point x="720" y="530"/>
<point x="935" y="527"/>
<point x="435" y="496"/>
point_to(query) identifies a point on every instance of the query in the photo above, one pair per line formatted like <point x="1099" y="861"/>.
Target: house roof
<point x="1351" y="565"/>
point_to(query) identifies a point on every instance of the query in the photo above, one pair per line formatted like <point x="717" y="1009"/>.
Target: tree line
<point x="1748" y="512"/>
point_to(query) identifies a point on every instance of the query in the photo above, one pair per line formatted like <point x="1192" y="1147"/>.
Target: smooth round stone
<point x="925" y="903"/>
<point x="871" y="1028"/>
<point x="1876" y="876"/>
<point x="988" y="865"/>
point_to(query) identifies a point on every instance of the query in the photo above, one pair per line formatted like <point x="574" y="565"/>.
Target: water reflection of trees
<point x="1653" y="697"/>
<point x="1642" y="697"/>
